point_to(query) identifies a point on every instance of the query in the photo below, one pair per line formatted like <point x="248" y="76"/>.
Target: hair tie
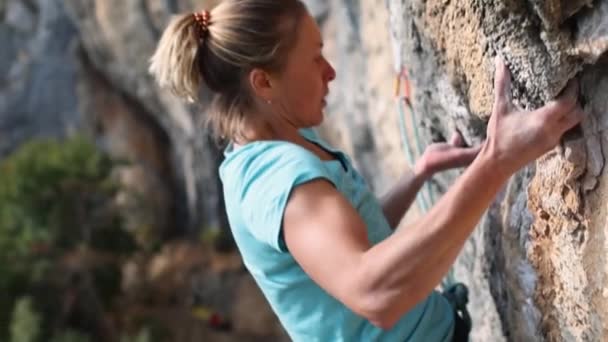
<point x="203" y="19"/>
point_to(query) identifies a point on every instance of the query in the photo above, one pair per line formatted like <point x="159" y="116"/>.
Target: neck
<point x="265" y="127"/>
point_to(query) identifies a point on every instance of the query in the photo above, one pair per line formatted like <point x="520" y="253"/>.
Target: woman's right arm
<point x="328" y="238"/>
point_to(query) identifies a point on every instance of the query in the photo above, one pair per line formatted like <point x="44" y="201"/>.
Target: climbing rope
<point x="425" y="198"/>
<point x="399" y="101"/>
<point x="402" y="100"/>
<point x="456" y="293"/>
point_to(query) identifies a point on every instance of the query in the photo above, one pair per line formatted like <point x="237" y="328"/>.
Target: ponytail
<point x="173" y="65"/>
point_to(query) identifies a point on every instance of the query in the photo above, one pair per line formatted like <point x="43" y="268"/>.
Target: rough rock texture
<point x="68" y="66"/>
<point x="535" y="264"/>
<point x="38" y="64"/>
<point x="118" y="38"/>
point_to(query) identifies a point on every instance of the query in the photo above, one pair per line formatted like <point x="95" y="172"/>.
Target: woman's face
<point x="303" y="83"/>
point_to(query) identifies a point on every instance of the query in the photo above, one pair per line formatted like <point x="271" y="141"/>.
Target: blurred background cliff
<point x="111" y="216"/>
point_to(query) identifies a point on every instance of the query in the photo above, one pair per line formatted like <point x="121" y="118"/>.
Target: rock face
<point x="118" y="38"/>
<point x="69" y="66"/>
<point x="536" y="263"/>
<point x="38" y="64"/>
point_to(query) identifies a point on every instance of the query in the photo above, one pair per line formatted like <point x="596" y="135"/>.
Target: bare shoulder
<point x="327" y="238"/>
<point x="316" y="215"/>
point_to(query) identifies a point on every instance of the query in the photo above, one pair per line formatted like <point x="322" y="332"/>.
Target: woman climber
<point x="319" y="244"/>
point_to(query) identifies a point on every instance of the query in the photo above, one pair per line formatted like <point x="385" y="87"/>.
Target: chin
<point x="319" y="119"/>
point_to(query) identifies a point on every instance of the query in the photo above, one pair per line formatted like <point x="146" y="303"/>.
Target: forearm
<point x="405" y="268"/>
<point x="399" y="199"/>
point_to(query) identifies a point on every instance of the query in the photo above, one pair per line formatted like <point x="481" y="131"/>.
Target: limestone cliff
<point x="536" y="263"/>
<point x="68" y="66"/>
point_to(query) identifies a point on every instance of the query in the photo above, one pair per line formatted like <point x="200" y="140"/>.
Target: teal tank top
<point x="257" y="179"/>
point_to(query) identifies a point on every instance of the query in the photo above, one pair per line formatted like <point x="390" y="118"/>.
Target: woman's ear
<point x="261" y="84"/>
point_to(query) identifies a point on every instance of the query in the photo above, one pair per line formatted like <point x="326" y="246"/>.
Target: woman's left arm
<point x="437" y="157"/>
<point x="400" y="197"/>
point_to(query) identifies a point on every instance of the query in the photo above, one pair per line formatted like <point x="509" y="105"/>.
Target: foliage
<point x="70" y="336"/>
<point x="144" y="335"/>
<point x="55" y="198"/>
<point x="25" y="326"/>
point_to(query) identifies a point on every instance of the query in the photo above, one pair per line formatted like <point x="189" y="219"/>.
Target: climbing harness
<point x="458" y="297"/>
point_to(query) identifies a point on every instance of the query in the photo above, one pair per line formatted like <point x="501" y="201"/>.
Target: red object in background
<point x="217" y="322"/>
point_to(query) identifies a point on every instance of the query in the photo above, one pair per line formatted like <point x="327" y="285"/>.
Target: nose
<point x="330" y="72"/>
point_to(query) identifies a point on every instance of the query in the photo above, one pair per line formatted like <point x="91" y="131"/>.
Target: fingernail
<point x="497" y="61"/>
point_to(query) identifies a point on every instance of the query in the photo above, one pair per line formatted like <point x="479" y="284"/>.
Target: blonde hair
<point x="241" y="35"/>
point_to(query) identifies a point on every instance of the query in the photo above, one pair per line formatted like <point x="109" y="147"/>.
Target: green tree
<point x="25" y="323"/>
<point x="55" y="197"/>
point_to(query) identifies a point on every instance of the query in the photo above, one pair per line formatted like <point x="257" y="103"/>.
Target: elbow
<point x="382" y="307"/>
<point x="384" y="300"/>
<point x="379" y="312"/>
<point x="385" y="307"/>
<point x="372" y="299"/>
